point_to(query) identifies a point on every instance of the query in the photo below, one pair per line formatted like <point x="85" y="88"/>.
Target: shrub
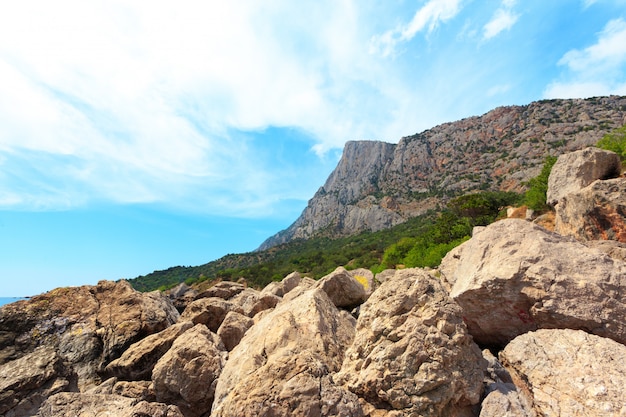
<point x="615" y="141"/>
<point x="535" y="197"/>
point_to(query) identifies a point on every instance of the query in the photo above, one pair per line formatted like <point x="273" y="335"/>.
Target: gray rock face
<point x="187" y="374"/>
<point x="573" y="171"/>
<point x="596" y="212"/>
<point x="568" y="372"/>
<point x="283" y="365"/>
<point x="412" y="352"/>
<point x="379" y="185"/>
<point x="516" y="277"/>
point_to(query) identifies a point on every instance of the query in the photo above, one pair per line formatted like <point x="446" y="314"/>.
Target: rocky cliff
<point x="378" y="185"/>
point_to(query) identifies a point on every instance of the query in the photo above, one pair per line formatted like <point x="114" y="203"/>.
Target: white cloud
<point x="427" y="18"/>
<point x="503" y="19"/>
<point x="597" y="69"/>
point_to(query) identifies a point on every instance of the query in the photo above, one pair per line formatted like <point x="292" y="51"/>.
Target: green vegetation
<point x="535" y="196"/>
<point x="615" y="141"/>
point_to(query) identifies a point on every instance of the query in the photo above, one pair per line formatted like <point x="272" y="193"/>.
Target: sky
<point x="139" y="135"/>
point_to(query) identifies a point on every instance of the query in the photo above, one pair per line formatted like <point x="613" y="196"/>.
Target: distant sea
<point x="7" y="300"/>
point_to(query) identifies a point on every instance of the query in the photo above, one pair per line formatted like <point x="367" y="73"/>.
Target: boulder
<point x="181" y="295"/>
<point x="342" y="289"/>
<point x="306" y="283"/>
<point x="365" y="277"/>
<point x="281" y="288"/>
<point x="137" y="361"/>
<point x="252" y="301"/>
<point x="232" y="329"/>
<point x="575" y="170"/>
<point x="613" y="248"/>
<point x="596" y="212"/>
<point x="223" y="289"/>
<point x="26" y="382"/>
<point x="516" y="277"/>
<point x="98" y="405"/>
<point x="141" y="390"/>
<point x="568" y="372"/>
<point x="283" y="366"/>
<point x="209" y="311"/>
<point x="186" y="375"/>
<point x="412" y="352"/>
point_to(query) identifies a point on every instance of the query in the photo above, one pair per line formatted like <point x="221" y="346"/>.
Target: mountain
<point x="377" y="185"/>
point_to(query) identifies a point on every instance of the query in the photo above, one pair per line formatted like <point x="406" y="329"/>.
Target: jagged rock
<point x="87" y="326"/>
<point x="378" y="185"/>
<point x="232" y="329"/>
<point x="186" y="375"/>
<point x="137" y="361"/>
<point x="26" y="382"/>
<point x="575" y="170"/>
<point x="342" y="289"/>
<point x="306" y="283"/>
<point x="515" y="277"/>
<point x="596" y="212"/>
<point x="613" y="248"/>
<point x="96" y="405"/>
<point x="141" y="390"/>
<point x="568" y="372"/>
<point x="252" y="301"/>
<point x="412" y="352"/>
<point x="281" y="288"/>
<point x="209" y="311"/>
<point x="283" y="365"/>
<point x="383" y="276"/>
<point x="223" y="289"/>
<point x="181" y="295"/>
<point x="365" y="277"/>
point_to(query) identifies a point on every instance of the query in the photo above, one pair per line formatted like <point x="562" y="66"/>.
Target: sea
<point x="7" y="300"/>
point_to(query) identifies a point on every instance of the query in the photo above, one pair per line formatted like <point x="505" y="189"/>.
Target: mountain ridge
<point x="377" y="185"/>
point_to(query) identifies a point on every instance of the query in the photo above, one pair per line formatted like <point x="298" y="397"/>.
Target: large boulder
<point x="596" y="212"/>
<point x="516" y="277"/>
<point x="209" y="311"/>
<point x="223" y="289"/>
<point x="281" y="288"/>
<point x="283" y="366"/>
<point x="342" y="288"/>
<point x="575" y="170"/>
<point x="137" y="361"/>
<point x="412" y="352"/>
<point x="232" y="329"/>
<point x="187" y="374"/>
<point x="253" y="302"/>
<point x="568" y="372"/>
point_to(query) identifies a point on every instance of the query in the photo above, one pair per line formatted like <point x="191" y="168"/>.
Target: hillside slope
<point x="377" y="185"/>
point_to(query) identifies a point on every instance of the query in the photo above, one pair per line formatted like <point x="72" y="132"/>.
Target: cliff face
<point x="378" y="185"/>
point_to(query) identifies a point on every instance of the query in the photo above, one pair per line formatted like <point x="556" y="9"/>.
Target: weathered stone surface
<point x="137" y="361"/>
<point x="223" y="289"/>
<point x="234" y="326"/>
<point x="574" y="171"/>
<point x="97" y="405"/>
<point x="283" y="365"/>
<point x="342" y="289"/>
<point x="141" y="390"/>
<point x="306" y="283"/>
<point x="253" y="302"/>
<point x="515" y="277"/>
<point x="412" y="352"/>
<point x="568" y="372"/>
<point x="385" y="275"/>
<point x="209" y="311"/>
<point x="186" y="375"/>
<point x="365" y="277"/>
<point x="281" y="288"/>
<point x="181" y="295"/>
<point x="26" y="382"/>
<point x="613" y="248"/>
<point x="596" y="212"/>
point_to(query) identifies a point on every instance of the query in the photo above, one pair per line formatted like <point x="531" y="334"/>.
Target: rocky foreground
<point x="517" y="321"/>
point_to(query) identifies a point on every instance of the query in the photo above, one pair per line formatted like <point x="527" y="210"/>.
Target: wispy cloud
<point x="426" y="18"/>
<point x="503" y="19"/>
<point x="596" y="69"/>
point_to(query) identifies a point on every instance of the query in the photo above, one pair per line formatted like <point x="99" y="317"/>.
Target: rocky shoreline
<point x="517" y="321"/>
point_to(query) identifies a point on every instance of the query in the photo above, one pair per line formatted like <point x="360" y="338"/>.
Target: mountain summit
<point x="377" y="185"/>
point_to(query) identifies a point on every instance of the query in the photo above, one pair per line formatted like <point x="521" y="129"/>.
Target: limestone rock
<point x="283" y="365"/>
<point x="342" y="289"/>
<point x="305" y="284"/>
<point x="515" y="277"/>
<point x="568" y="372"/>
<point x="613" y="248"/>
<point x="209" y="311"/>
<point x="575" y="170"/>
<point x="253" y="301"/>
<point x="223" y="289"/>
<point x="365" y="277"/>
<point x="596" y="212"/>
<point x="232" y="329"/>
<point x="181" y="295"/>
<point x="412" y="352"/>
<point x="26" y="382"/>
<point x="137" y="361"/>
<point x="186" y="375"/>
<point x="281" y="288"/>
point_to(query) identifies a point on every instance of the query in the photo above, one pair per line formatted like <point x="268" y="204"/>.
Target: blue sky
<point x="138" y="135"/>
